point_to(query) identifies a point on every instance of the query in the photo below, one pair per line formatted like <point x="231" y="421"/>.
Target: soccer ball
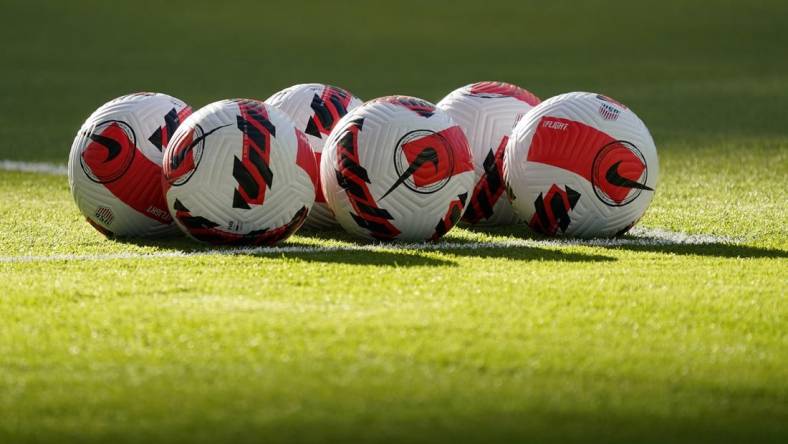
<point x="238" y="172"/>
<point x="315" y="109"/>
<point x="487" y="112"/>
<point x="581" y="164"/>
<point x="114" y="169"/>
<point x="397" y="168"/>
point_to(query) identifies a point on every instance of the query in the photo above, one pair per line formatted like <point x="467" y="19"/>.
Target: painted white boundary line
<point x="640" y="237"/>
<point x="34" y="167"/>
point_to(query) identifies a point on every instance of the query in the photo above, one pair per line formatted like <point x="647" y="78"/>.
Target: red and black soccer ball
<point x="487" y="112"/>
<point x="397" y="168"/>
<point x="315" y="109"/>
<point x="114" y="168"/>
<point x="581" y="164"/>
<point x="238" y="172"/>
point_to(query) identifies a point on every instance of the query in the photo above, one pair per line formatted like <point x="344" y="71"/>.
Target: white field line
<point x="34" y="167"/>
<point x="639" y="237"/>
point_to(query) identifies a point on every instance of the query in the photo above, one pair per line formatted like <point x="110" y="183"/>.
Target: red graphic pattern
<point x="319" y="196"/>
<point x="552" y="210"/>
<point x="451" y="218"/>
<point x="305" y="159"/>
<point x="573" y="146"/>
<point x="490" y="187"/>
<point x="453" y="156"/>
<point x="418" y="106"/>
<point x="109" y="163"/>
<point x="505" y="90"/>
<point x="161" y="137"/>
<point x="331" y="107"/>
<point x="179" y="160"/>
<point x="139" y="186"/>
<point x="353" y="178"/>
<point x="252" y="171"/>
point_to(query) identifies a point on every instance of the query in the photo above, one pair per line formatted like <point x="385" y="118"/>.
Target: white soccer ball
<point x="114" y="169"/>
<point x="487" y="112"/>
<point x="238" y="172"/>
<point x="581" y="164"/>
<point x="315" y="109"/>
<point x="397" y="168"/>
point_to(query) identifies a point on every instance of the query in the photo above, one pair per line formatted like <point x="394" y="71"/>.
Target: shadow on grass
<point x="406" y="258"/>
<point x="179" y="243"/>
<point x="529" y="254"/>
<point x="333" y="234"/>
<point x="645" y="244"/>
<point x="519" y="231"/>
<point x="462" y="247"/>
<point x="395" y="257"/>
<point x="716" y="249"/>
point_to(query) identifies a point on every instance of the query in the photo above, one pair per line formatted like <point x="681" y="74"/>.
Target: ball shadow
<point x="518" y="231"/>
<point x="457" y="247"/>
<point x="714" y="249"/>
<point x="529" y="254"/>
<point x="307" y="252"/>
<point x="463" y="247"/>
<point x="331" y="234"/>
<point x="383" y="258"/>
<point x="646" y="244"/>
<point x="176" y="243"/>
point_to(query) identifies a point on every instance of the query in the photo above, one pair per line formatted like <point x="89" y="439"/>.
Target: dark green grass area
<point x="541" y="343"/>
<point x="690" y="68"/>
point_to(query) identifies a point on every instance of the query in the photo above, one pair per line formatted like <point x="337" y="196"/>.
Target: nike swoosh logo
<point x="201" y="138"/>
<point x="614" y="178"/>
<point x="113" y="146"/>
<point x="178" y="157"/>
<point x="426" y="155"/>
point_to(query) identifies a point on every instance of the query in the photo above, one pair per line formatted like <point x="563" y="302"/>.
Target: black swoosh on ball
<point x="178" y="157"/>
<point x="426" y="155"/>
<point x="614" y="178"/>
<point x="113" y="146"/>
<point x="202" y="137"/>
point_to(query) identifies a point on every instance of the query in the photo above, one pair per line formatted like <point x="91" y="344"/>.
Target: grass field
<point x="660" y="337"/>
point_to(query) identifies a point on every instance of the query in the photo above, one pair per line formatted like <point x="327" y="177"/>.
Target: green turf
<point x="681" y="343"/>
